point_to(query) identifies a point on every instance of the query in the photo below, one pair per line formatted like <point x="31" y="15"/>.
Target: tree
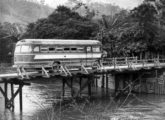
<point x="9" y="34"/>
<point x="151" y="27"/>
<point x="111" y="30"/>
<point x="62" y="23"/>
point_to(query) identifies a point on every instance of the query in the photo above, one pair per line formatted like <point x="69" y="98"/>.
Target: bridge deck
<point x="107" y="64"/>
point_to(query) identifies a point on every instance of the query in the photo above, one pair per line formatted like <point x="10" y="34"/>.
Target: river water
<point x="39" y="97"/>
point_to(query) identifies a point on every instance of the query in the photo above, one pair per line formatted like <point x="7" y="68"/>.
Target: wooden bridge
<point x="68" y="71"/>
<point x="104" y="65"/>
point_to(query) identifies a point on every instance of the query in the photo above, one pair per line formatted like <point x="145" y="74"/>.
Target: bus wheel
<point x="56" y="66"/>
<point x="95" y="65"/>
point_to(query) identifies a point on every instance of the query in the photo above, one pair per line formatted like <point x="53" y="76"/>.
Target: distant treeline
<point x="22" y="11"/>
<point x="138" y="32"/>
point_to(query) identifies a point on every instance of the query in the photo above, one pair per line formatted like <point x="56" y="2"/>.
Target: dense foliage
<point x="135" y="32"/>
<point x="62" y="23"/>
<point x="9" y="34"/>
<point x="127" y="33"/>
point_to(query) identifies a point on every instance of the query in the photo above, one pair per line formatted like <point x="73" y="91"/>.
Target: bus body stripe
<point x="66" y="56"/>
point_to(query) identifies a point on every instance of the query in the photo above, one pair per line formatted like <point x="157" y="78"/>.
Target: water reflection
<point x="37" y="97"/>
<point x="40" y="95"/>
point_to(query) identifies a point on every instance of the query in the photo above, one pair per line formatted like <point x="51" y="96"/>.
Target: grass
<point x="86" y="110"/>
<point x="99" y="109"/>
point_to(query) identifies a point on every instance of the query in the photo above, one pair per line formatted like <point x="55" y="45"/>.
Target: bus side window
<point x="36" y="49"/>
<point x="59" y="49"/>
<point x="44" y="49"/>
<point x="80" y="49"/>
<point x="88" y="49"/>
<point x="52" y="49"/>
<point x="26" y="49"/>
<point x="96" y="49"/>
<point x="73" y="49"/>
<point x="66" y="49"/>
<point x="18" y="49"/>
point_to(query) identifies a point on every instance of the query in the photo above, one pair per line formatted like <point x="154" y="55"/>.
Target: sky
<point x="127" y="4"/>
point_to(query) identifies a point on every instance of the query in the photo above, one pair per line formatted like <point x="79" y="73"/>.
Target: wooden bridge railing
<point x="132" y="61"/>
<point x="119" y="61"/>
<point x="74" y="67"/>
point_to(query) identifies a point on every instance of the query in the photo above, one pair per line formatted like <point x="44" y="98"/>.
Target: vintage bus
<point x="41" y="52"/>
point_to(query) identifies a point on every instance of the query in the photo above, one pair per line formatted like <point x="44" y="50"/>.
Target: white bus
<point x="41" y="52"/>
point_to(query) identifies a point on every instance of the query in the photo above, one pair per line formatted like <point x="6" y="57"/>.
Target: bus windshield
<point x="18" y="49"/>
<point x="23" y="49"/>
<point x="26" y="48"/>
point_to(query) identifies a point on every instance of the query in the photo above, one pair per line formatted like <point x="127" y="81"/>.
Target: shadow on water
<point x="39" y="104"/>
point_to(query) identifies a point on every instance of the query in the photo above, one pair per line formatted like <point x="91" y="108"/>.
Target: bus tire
<point x="56" y="65"/>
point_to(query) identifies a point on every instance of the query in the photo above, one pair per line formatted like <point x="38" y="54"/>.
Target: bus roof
<point x="58" y="42"/>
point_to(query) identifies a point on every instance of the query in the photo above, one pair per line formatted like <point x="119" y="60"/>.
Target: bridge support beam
<point x="103" y="82"/>
<point x="96" y="82"/>
<point x="63" y="87"/>
<point x="12" y="94"/>
<point x="9" y="101"/>
<point x="71" y="86"/>
<point x="20" y="97"/>
<point x="89" y="86"/>
<point x="107" y="92"/>
<point x="80" y="84"/>
<point x="6" y="95"/>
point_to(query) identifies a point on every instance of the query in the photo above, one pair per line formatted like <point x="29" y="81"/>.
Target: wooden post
<point x="89" y="86"/>
<point x="141" y="55"/>
<point x="12" y="94"/>
<point x="102" y="86"/>
<point x="9" y="102"/>
<point x="107" y="84"/>
<point x="71" y="84"/>
<point x="80" y="80"/>
<point x="140" y="87"/>
<point x="156" y="83"/>
<point x="96" y="83"/>
<point x="63" y="87"/>
<point x="130" y="82"/>
<point x="20" y="97"/>
<point x="116" y="83"/>
<point x="126" y="60"/>
<point x="6" y="95"/>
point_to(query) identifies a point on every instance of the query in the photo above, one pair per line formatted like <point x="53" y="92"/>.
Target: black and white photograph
<point x="82" y="59"/>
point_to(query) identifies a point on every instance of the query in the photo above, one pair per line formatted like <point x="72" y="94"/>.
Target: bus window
<point x="59" y="49"/>
<point x="26" y="48"/>
<point x="80" y="49"/>
<point x="96" y="49"/>
<point x="44" y="49"/>
<point x="88" y="49"/>
<point x="51" y="49"/>
<point x="66" y="49"/>
<point x="18" y="49"/>
<point x="36" y="49"/>
<point x="73" y="49"/>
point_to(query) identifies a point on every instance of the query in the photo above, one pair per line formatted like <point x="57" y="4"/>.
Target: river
<point x="40" y="97"/>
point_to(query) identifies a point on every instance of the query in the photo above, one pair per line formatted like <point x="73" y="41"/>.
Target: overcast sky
<point x="122" y="3"/>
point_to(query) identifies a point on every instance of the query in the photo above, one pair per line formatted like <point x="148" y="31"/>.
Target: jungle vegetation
<point x="137" y="32"/>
